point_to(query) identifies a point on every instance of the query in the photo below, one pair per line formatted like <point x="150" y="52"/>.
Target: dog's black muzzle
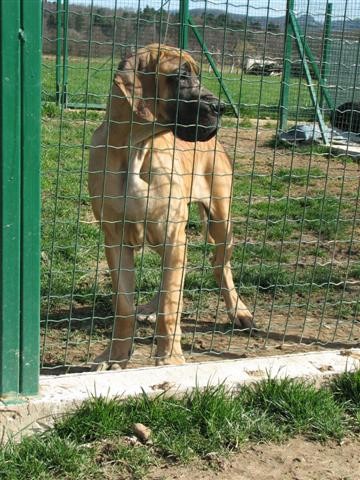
<point x="197" y="118"/>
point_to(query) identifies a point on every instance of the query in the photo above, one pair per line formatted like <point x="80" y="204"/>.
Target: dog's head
<point x="161" y="84"/>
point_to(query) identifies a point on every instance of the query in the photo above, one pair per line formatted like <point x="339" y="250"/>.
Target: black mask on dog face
<point x="195" y="111"/>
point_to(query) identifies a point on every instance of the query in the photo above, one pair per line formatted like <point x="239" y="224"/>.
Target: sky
<point x="276" y="8"/>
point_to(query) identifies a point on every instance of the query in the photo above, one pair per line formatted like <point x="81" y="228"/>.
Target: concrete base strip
<point x="350" y="150"/>
<point x="60" y="394"/>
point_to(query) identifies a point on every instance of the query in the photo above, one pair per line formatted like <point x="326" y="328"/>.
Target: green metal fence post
<point x="64" y="99"/>
<point x="285" y="81"/>
<point x="302" y="45"/>
<point x="184" y="27"/>
<point x="58" y="51"/>
<point x="10" y="197"/>
<point x="325" y="54"/>
<point x="303" y="49"/>
<point x="213" y="65"/>
<point x="20" y="45"/>
<point x="30" y="197"/>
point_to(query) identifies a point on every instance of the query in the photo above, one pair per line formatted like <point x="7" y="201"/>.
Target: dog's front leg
<point x="121" y="264"/>
<point x="168" y="331"/>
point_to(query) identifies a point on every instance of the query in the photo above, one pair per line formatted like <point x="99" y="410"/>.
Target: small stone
<point x="163" y="386"/>
<point x="299" y="459"/>
<point x="210" y="456"/>
<point x="131" y="440"/>
<point x="142" y="432"/>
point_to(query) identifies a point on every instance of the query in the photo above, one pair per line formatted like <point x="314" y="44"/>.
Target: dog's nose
<point x="217" y="107"/>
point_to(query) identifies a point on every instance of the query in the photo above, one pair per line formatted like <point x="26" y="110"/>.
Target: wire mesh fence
<point x="295" y="220"/>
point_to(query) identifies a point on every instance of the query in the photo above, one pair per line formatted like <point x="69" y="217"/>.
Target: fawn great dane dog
<point x="155" y="153"/>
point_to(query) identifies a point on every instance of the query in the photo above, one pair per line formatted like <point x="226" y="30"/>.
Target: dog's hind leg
<point x="121" y="263"/>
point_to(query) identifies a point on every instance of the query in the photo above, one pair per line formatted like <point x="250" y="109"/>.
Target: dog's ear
<point x="136" y="84"/>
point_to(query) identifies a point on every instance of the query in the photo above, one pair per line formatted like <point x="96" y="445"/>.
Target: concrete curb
<point x="60" y="394"/>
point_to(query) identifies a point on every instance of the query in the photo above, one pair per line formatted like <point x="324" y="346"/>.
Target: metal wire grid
<point x="295" y="210"/>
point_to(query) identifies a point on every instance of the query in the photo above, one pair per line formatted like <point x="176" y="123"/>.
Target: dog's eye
<point x="184" y="71"/>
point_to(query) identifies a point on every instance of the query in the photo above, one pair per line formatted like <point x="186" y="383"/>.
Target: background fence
<point x="295" y="209"/>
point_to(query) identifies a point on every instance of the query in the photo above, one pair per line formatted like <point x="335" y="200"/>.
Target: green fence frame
<point x="20" y="46"/>
<point x="293" y="32"/>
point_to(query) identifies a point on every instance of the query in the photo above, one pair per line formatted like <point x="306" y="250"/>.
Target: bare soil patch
<point x="296" y="459"/>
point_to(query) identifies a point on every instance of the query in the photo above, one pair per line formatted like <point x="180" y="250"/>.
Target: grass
<point x="346" y="390"/>
<point x="93" y="441"/>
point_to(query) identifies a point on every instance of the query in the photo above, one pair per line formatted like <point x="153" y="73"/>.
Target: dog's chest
<point x="140" y="234"/>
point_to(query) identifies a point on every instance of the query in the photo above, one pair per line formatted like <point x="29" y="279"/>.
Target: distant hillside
<point x="260" y="21"/>
<point x="308" y="21"/>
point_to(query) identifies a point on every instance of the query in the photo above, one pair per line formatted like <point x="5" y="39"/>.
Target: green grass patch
<point x="282" y="217"/>
<point x="84" y="443"/>
<point x="296" y="408"/>
<point x="44" y="457"/>
<point x="213" y="419"/>
<point x="299" y="176"/>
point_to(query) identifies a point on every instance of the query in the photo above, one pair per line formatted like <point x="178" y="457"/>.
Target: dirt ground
<point x="296" y="459"/>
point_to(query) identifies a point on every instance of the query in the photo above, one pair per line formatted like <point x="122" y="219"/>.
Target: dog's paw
<point x="169" y="360"/>
<point x="107" y="366"/>
<point x="100" y="367"/>
<point x="245" y="321"/>
<point x="109" y="360"/>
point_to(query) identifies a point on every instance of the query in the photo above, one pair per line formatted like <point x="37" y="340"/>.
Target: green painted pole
<point x="303" y="45"/>
<point x="326" y="52"/>
<point x="183" y="38"/>
<point x="10" y="118"/>
<point x="58" y="52"/>
<point x="20" y="45"/>
<point x="285" y="82"/>
<point x="30" y="197"/>
<point x="65" y="54"/>
<point x="213" y="66"/>
<point x="302" y="52"/>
